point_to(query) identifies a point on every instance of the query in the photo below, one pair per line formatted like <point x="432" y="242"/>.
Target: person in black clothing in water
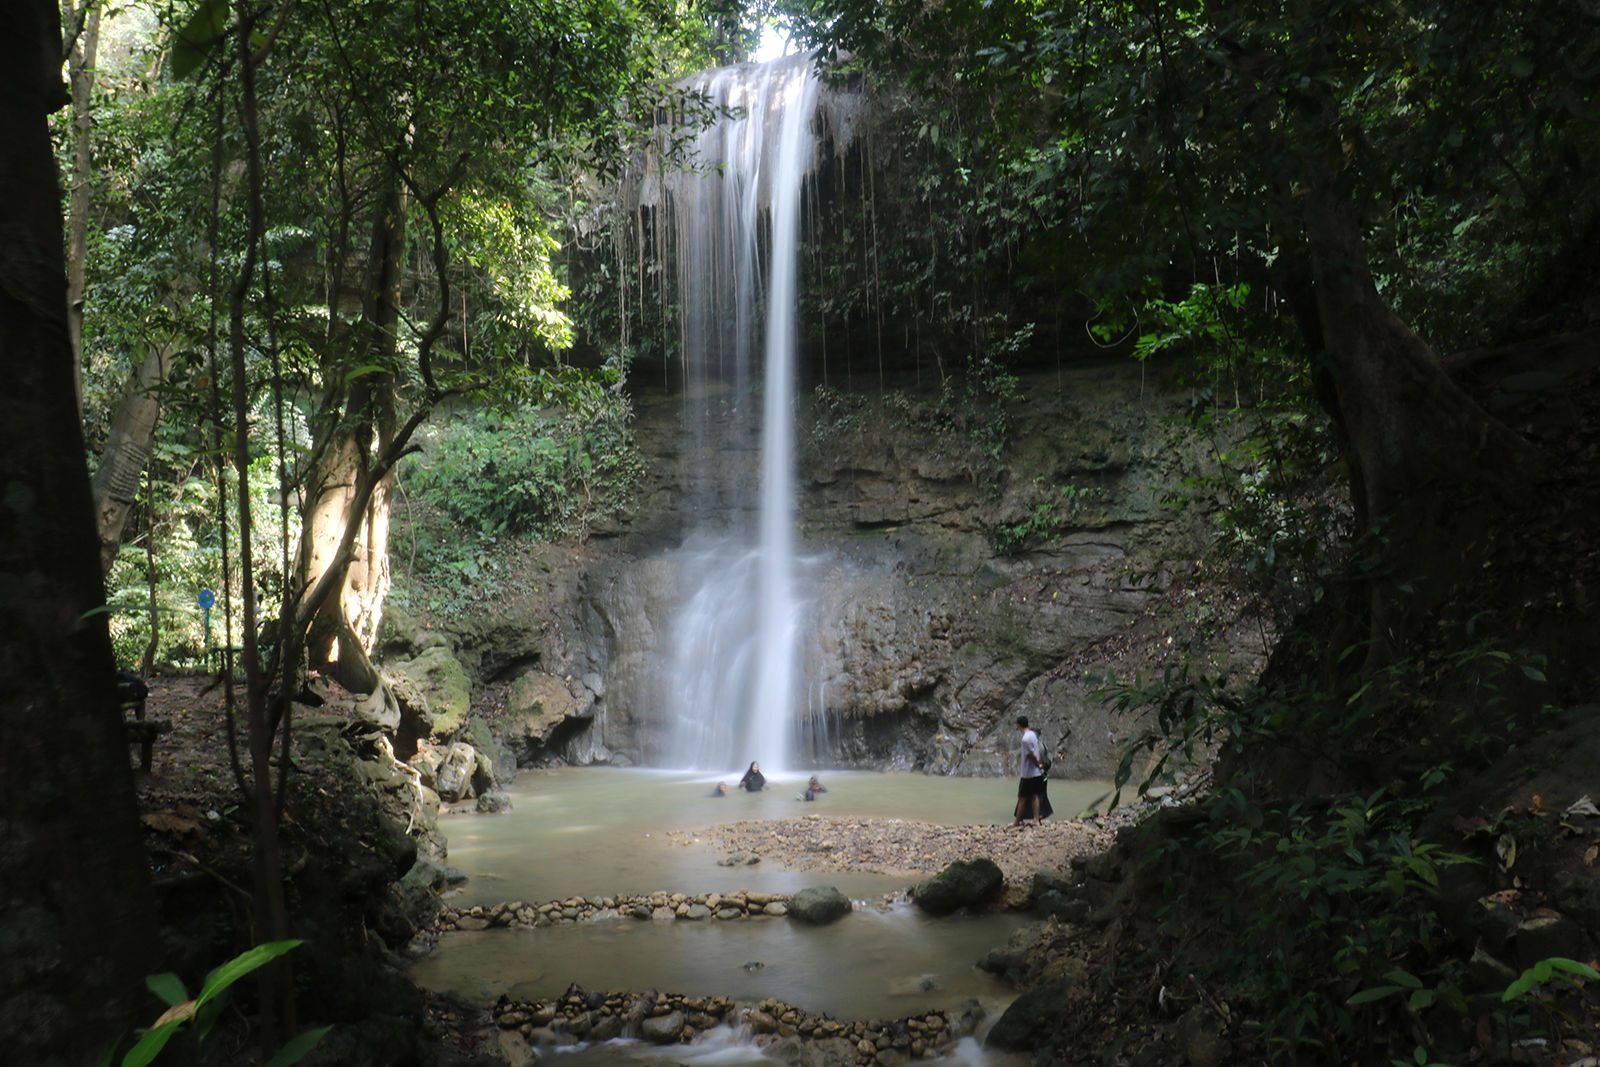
<point x="753" y="779"/>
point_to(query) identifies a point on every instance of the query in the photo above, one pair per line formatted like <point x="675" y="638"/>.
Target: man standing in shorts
<point x="1030" y="771"/>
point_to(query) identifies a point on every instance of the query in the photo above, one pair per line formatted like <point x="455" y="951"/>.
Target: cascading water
<point x="730" y="682"/>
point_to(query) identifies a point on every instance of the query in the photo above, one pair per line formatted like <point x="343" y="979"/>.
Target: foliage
<point x="971" y="413"/>
<point x="1318" y="902"/>
<point x="1174" y="132"/>
<point x="1530" y="986"/>
<point x="182" y="514"/>
<point x="1461" y="707"/>
<point x="978" y="402"/>
<point x="1226" y="348"/>
<point x="1045" y="522"/>
<point x="519" y="288"/>
<point x="445" y="571"/>
<point x="1329" y="906"/>
<point x="940" y="249"/>
<point x="199" y="1014"/>
<point x="835" y="413"/>
<point x="1280" y="530"/>
<point x="1545" y="970"/>
<point x="549" y="471"/>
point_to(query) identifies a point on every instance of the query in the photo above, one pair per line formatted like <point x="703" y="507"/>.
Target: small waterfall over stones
<point x="730" y="686"/>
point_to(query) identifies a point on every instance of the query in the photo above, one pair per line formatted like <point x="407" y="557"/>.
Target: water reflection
<point x="597" y="831"/>
<point x="870" y="964"/>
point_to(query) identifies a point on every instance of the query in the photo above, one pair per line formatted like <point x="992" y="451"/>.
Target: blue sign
<point x="207" y="598"/>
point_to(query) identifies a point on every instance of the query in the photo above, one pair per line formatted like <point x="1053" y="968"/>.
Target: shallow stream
<point x="592" y="832"/>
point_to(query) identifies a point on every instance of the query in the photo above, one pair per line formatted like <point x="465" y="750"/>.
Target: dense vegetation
<point x="1290" y="195"/>
<point x="298" y="231"/>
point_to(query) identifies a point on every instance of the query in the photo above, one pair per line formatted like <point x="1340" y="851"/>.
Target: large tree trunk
<point x="133" y="432"/>
<point x="76" y="914"/>
<point x="1430" y="466"/>
<point x="347" y="622"/>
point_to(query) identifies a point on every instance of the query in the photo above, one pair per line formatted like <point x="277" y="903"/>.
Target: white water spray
<point x="731" y="684"/>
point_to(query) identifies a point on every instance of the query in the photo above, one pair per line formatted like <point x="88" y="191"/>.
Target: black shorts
<point x="1030" y="787"/>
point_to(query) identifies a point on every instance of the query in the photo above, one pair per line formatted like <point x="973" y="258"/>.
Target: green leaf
<point x="241" y="965"/>
<point x="1561" y="963"/>
<point x="1367" y="996"/>
<point x="193" y="43"/>
<point x="1405" y="978"/>
<point x="169" y="987"/>
<point x="296" y="1050"/>
<point x="1542" y="972"/>
<point x="151" y="1044"/>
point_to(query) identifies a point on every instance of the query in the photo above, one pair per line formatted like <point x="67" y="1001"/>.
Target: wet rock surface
<point x="819" y="905"/>
<point x="968" y="883"/>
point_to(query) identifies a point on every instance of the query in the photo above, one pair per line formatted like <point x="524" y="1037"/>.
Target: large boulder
<point x="542" y="711"/>
<point x="662" y="1029"/>
<point x="441" y="681"/>
<point x="1031" y="1019"/>
<point x="964" y="884"/>
<point x="494" y="802"/>
<point x="818" y="905"/>
<point x="455" y="771"/>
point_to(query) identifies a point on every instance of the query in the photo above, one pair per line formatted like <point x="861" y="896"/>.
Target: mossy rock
<point x="818" y="905"/>
<point x="439" y="676"/>
<point x="502" y="761"/>
<point x="538" y="703"/>
<point x="963" y="884"/>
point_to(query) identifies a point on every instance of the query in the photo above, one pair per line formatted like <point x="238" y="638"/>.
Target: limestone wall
<point x="923" y="641"/>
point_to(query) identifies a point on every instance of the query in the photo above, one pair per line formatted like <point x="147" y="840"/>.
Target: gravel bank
<point x="908" y="848"/>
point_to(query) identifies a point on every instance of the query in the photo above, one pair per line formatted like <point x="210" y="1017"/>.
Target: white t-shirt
<point x="1029" y="767"/>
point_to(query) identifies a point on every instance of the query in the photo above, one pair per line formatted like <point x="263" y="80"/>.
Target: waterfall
<point x="730" y="685"/>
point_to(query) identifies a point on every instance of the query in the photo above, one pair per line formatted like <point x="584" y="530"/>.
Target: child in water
<point x="813" y="787"/>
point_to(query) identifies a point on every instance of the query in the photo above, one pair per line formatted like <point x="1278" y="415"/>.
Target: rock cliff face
<point x="923" y="640"/>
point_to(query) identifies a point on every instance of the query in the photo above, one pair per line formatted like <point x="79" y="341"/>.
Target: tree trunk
<point x="265" y="786"/>
<point x="1430" y="466"/>
<point x="76" y="914"/>
<point x="133" y="432"/>
<point x="81" y="74"/>
<point x="347" y="623"/>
